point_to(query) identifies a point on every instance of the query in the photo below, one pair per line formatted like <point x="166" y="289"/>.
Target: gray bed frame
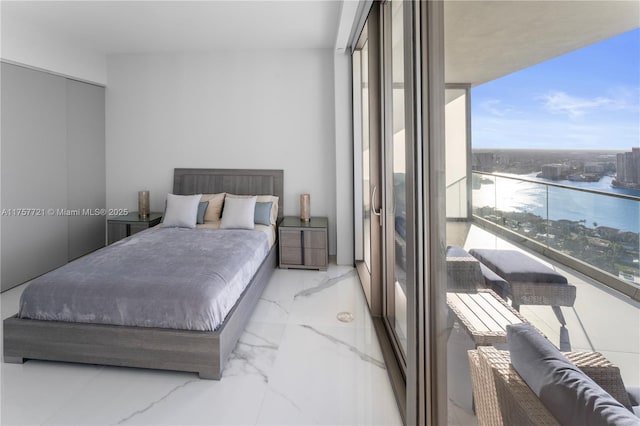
<point x="195" y="351"/>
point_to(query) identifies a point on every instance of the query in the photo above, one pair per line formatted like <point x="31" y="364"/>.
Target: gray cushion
<point x="202" y="208"/>
<point x="456" y="251"/>
<point x="495" y="281"/>
<point x="570" y="395"/>
<point x="516" y="266"/>
<point x="491" y="279"/>
<point x="262" y="215"/>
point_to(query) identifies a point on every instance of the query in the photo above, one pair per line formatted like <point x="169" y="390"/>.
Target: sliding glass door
<point x="395" y="174"/>
<point x="399" y="196"/>
<point x="367" y="155"/>
<point x="381" y="167"/>
<point x="384" y="169"/>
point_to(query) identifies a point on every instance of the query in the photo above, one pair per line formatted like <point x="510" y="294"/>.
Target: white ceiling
<point x="485" y="40"/>
<point x="115" y="27"/>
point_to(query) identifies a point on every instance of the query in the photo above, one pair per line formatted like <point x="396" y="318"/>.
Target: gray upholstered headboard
<point x="233" y="181"/>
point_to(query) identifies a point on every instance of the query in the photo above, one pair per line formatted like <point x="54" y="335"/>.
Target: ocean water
<point x="559" y="203"/>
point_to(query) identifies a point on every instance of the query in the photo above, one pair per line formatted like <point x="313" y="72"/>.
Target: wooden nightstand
<point x="120" y="227"/>
<point x="304" y="245"/>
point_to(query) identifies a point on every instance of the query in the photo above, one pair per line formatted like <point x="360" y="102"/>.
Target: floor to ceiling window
<point x="387" y="174"/>
<point x="363" y="197"/>
<point x="422" y="60"/>
<point x="395" y="175"/>
<point x="367" y="95"/>
<point x="366" y="201"/>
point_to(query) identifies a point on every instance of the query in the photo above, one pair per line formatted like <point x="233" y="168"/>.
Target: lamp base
<point x="305" y="207"/>
<point x="143" y="204"/>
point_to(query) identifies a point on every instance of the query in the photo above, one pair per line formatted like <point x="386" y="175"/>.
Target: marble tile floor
<point x="295" y="364"/>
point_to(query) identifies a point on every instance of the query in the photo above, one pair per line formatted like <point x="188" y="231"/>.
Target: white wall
<point x="456" y="154"/>
<point x="47" y="50"/>
<point x="226" y="109"/>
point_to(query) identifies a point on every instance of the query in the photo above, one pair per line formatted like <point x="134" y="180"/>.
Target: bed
<point x="202" y="352"/>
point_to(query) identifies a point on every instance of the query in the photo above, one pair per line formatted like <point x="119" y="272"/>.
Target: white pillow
<point x="182" y="211"/>
<point x="238" y="213"/>
<point x="263" y="199"/>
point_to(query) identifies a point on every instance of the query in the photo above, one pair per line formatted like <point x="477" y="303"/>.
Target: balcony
<point x="572" y="231"/>
<point x="597" y="233"/>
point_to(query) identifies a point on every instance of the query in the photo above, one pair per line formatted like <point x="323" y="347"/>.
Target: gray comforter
<point x="163" y="277"/>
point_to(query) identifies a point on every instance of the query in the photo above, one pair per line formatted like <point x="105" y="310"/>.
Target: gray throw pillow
<point x="262" y="214"/>
<point x="202" y="209"/>
<point x="570" y="395"/>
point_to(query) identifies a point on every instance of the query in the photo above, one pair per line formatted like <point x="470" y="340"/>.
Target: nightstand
<point x="120" y="227"/>
<point x="304" y="245"/>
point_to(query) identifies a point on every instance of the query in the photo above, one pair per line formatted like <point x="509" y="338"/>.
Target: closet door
<point x="86" y="172"/>
<point x="34" y="173"/>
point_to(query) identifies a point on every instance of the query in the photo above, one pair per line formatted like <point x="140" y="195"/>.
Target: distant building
<point x="554" y="171"/>
<point x="595" y="168"/>
<point x="607" y="232"/>
<point x="483" y="162"/>
<point x="628" y="169"/>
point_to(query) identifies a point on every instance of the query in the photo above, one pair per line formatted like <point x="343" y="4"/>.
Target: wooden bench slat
<point x="474" y="302"/>
<point x="465" y="314"/>
<point x="497" y="312"/>
<point x="483" y="315"/>
<point x="501" y="309"/>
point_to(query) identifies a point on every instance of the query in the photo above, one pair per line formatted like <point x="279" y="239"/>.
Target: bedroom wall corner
<point x="46" y="50"/>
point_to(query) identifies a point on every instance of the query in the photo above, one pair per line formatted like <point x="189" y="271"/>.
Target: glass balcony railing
<point x="456" y="197"/>
<point x="599" y="228"/>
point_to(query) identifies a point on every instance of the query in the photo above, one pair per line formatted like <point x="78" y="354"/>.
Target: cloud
<point x="626" y="98"/>
<point x="574" y="107"/>
<point x="552" y="133"/>
<point x="618" y="99"/>
<point x="494" y="107"/>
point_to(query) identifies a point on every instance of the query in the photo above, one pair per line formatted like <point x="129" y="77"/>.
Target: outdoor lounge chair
<point x="503" y="397"/>
<point x="466" y="272"/>
<point x="529" y="281"/>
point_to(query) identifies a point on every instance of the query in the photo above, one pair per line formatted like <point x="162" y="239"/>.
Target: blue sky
<point x="586" y="99"/>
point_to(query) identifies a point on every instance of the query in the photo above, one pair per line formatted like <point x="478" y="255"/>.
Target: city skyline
<point x="587" y="99"/>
